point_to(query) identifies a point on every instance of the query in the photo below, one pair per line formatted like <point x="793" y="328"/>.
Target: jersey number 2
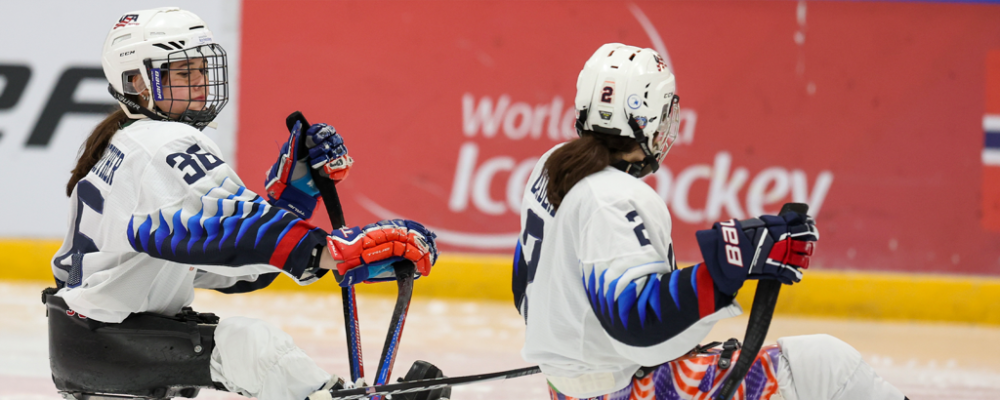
<point x="534" y="230"/>
<point x="525" y="266"/>
<point x="639" y="230"/>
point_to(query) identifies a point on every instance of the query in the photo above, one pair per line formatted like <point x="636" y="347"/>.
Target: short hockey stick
<point x="328" y="190"/>
<point x="404" y="280"/>
<point x="404" y="285"/>
<point x="764" y="301"/>
<point x="427" y="384"/>
<point x="353" y="332"/>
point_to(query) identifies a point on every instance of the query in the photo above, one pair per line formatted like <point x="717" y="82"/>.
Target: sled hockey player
<point x="156" y="213"/>
<point x="608" y="314"/>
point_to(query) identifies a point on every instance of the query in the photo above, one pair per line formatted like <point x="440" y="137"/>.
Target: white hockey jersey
<point x="597" y="284"/>
<point x="161" y="214"/>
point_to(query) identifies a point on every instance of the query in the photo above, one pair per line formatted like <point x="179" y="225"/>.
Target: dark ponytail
<point x="581" y="157"/>
<point x="93" y="148"/>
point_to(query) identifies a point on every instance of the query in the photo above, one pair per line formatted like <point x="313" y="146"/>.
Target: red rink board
<point x="991" y="169"/>
<point x="870" y="111"/>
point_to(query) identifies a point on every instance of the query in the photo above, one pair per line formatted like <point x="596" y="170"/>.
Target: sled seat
<point x="147" y="355"/>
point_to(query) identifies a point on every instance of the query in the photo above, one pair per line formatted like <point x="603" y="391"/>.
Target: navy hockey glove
<point x="289" y="184"/>
<point x="366" y="254"/>
<point x="327" y="152"/>
<point x="769" y="247"/>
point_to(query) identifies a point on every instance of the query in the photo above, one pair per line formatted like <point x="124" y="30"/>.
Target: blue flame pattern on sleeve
<point x="232" y="227"/>
<point x="638" y="308"/>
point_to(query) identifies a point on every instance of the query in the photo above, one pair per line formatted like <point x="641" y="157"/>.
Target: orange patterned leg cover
<point x="697" y="378"/>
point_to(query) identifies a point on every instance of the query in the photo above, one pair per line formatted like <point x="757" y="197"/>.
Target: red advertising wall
<point x="871" y="112"/>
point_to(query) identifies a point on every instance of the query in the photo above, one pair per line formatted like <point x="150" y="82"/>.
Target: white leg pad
<point x="822" y="367"/>
<point x="256" y="359"/>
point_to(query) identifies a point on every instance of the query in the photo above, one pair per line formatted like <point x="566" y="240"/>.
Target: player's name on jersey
<point x="109" y="163"/>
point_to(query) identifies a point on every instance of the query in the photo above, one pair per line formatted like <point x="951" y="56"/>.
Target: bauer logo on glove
<point x="366" y="254"/>
<point x="769" y="247"/>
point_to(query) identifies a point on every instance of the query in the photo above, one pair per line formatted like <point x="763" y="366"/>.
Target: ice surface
<point x="926" y="361"/>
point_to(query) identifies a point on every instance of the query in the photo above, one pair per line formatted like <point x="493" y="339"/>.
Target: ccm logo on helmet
<point x="732" y="240"/>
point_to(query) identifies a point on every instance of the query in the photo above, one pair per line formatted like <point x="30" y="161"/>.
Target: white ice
<point x="926" y="361"/>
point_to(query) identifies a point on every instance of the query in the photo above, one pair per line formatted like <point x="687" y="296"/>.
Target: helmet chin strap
<point x="637" y="169"/>
<point x="134" y="107"/>
<point x="648" y="164"/>
<point x="581" y="121"/>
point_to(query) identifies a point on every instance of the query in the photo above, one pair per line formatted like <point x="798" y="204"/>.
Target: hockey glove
<point x="327" y="152"/>
<point x="289" y="184"/>
<point x="366" y="254"/>
<point x="769" y="247"/>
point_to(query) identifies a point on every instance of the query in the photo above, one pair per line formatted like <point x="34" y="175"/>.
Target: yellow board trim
<point x="27" y="259"/>
<point x="842" y="294"/>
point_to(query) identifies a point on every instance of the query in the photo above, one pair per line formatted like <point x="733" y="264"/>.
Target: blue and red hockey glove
<point x="366" y="254"/>
<point x="289" y="184"/>
<point x="769" y="247"/>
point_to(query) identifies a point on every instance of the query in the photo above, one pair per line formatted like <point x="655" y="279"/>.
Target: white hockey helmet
<point x="629" y="91"/>
<point x="144" y="43"/>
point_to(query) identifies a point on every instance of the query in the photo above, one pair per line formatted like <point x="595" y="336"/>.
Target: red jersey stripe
<point x="706" y="291"/>
<point x="288" y="243"/>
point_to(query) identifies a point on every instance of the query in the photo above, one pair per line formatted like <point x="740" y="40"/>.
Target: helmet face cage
<point x="666" y="131"/>
<point x="196" y="72"/>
